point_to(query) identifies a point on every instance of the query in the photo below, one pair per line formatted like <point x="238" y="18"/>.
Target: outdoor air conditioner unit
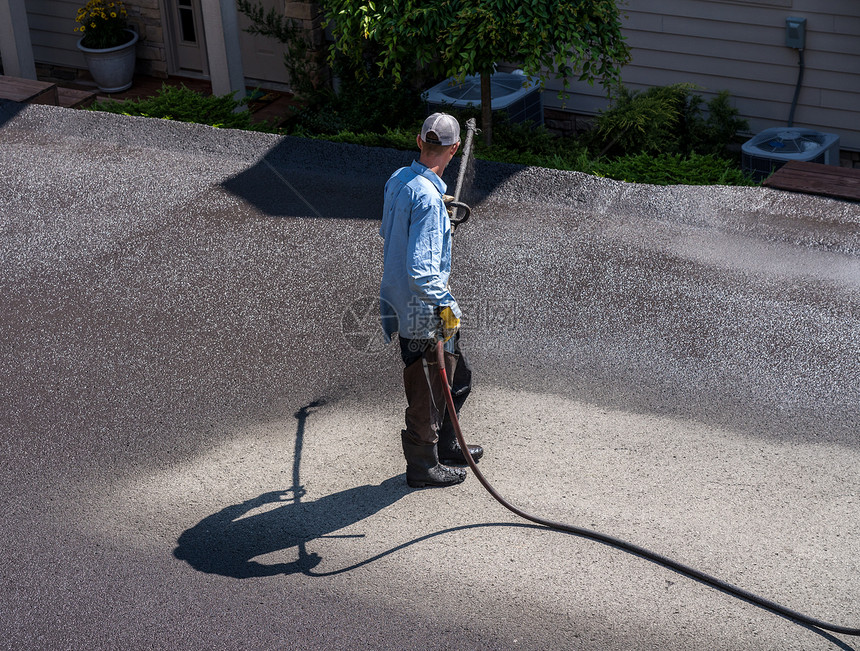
<point x="772" y="148"/>
<point x="512" y="92"/>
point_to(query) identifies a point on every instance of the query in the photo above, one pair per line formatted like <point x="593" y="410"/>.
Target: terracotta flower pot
<point x="112" y="68"/>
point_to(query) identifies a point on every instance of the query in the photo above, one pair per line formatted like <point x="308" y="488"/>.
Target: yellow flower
<point x="113" y="14"/>
<point x="92" y="25"/>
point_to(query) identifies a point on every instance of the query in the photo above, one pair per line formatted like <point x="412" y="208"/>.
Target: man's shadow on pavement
<point x="225" y="543"/>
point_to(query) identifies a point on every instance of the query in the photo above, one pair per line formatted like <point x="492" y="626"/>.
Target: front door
<point x="186" y="40"/>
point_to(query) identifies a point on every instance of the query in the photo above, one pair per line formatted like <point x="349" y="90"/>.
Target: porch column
<point x="221" y="27"/>
<point x="15" y="46"/>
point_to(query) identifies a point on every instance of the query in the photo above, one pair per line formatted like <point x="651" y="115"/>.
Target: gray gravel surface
<point x="199" y="424"/>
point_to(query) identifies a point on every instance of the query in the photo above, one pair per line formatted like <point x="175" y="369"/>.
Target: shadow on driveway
<point x="301" y="177"/>
<point x="225" y="543"/>
<point x="9" y="110"/>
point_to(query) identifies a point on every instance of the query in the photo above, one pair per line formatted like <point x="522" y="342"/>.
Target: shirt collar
<point x="427" y="173"/>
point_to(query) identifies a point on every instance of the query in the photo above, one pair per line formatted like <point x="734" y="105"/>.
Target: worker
<point x="417" y="305"/>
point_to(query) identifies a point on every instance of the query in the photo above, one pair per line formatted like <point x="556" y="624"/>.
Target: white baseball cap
<point x="441" y="129"/>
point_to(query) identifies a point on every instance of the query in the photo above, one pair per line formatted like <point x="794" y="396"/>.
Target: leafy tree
<point x="467" y="37"/>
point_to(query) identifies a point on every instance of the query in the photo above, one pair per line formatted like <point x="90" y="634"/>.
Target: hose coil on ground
<point x="626" y="546"/>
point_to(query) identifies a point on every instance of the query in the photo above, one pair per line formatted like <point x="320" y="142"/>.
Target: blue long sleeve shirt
<point x="417" y="254"/>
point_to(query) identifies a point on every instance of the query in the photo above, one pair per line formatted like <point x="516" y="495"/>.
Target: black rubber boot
<point x="423" y="467"/>
<point x="450" y="452"/>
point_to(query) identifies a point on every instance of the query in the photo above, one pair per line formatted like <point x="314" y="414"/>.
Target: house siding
<point x="52" y="32"/>
<point x="54" y="39"/>
<point x="739" y="46"/>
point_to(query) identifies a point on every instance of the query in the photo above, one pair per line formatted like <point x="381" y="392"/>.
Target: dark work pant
<point x="426" y="412"/>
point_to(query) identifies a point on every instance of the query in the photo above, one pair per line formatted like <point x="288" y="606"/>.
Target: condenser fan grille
<point x="791" y="143"/>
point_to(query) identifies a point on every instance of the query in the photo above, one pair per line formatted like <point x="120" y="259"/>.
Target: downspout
<point x="797" y="87"/>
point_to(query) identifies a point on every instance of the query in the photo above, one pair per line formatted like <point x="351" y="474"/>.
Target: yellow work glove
<point x="449" y="323"/>
<point x="446" y="199"/>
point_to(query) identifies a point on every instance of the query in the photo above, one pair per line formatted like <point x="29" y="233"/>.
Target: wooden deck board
<point x="28" y="90"/>
<point x="815" y="178"/>
<point x="73" y="98"/>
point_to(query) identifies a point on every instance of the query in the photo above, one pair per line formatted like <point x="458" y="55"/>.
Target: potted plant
<point x="107" y="44"/>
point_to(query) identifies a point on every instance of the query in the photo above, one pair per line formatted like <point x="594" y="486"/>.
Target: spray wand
<point x="453" y="203"/>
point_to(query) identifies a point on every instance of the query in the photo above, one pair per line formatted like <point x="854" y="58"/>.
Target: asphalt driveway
<point x="199" y="424"/>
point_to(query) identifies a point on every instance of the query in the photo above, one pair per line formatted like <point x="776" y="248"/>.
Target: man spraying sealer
<point x="417" y="305"/>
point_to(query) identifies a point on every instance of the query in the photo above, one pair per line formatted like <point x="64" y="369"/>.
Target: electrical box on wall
<point x="795" y="32"/>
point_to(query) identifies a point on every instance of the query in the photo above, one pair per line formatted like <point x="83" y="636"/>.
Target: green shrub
<point x="185" y="105"/>
<point x="672" y="169"/>
<point x="640" y="122"/>
<point x="665" y="120"/>
<point x="720" y="128"/>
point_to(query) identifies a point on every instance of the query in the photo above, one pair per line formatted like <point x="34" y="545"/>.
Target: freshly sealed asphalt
<point x="199" y="423"/>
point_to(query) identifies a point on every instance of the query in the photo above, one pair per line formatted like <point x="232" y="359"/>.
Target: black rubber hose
<point x="460" y="206"/>
<point x="621" y="544"/>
